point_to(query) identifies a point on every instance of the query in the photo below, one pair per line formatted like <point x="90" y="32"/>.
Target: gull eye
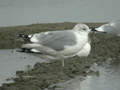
<point x="84" y="29"/>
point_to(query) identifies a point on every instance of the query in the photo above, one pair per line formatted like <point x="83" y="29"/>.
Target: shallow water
<point x="11" y="61"/>
<point x="108" y="78"/>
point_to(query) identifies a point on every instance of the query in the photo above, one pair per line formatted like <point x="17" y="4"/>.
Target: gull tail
<point x="29" y="48"/>
<point x="38" y="48"/>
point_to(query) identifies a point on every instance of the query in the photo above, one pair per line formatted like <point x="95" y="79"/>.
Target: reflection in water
<point x="108" y="79"/>
<point x="11" y="61"/>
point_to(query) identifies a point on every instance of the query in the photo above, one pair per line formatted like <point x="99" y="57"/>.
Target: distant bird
<point x="111" y="28"/>
<point x="62" y="43"/>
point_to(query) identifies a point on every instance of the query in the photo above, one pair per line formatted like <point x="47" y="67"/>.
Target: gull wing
<point x="55" y="39"/>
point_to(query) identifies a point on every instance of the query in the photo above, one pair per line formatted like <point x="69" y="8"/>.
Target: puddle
<point x="107" y="79"/>
<point x="12" y="61"/>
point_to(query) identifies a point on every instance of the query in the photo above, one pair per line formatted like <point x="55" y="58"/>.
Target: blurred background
<point x="24" y="12"/>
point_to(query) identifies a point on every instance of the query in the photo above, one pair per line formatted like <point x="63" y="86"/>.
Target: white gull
<point x="62" y="43"/>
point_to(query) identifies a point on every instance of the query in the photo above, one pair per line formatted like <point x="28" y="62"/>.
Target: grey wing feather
<point x="55" y="39"/>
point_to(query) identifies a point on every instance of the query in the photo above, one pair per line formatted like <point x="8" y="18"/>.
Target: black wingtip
<point x="21" y="35"/>
<point x="25" y="50"/>
<point x="93" y="29"/>
<point x="25" y="37"/>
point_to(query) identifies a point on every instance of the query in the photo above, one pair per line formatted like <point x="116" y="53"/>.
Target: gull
<point x="61" y="43"/>
<point x="111" y="28"/>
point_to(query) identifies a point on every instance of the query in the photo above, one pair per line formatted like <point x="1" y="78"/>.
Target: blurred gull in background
<point x="62" y="43"/>
<point x="112" y="28"/>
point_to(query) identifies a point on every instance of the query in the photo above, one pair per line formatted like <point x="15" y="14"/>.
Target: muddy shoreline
<point x="43" y="75"/>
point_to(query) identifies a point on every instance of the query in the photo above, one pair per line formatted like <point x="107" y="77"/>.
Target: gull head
<point x="81" y="28"/>
<point x="101" y="29"/>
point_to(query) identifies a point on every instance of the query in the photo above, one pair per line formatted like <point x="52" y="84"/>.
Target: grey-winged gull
<point x="111" y="28"/>
<point x="62" y="43"/>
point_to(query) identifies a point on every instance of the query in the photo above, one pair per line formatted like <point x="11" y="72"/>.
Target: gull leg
<point x="62" y="58"/>
<point x="52" y="52"/>
<point x="63" y="62"/>
<point x="46" y="50"/>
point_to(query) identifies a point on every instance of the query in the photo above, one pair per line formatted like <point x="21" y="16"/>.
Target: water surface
<point x="108" y="78"/>
<point x="11" y="61"/>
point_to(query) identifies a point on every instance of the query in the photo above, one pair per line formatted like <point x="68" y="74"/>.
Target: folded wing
<point x="55" y="39"/>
